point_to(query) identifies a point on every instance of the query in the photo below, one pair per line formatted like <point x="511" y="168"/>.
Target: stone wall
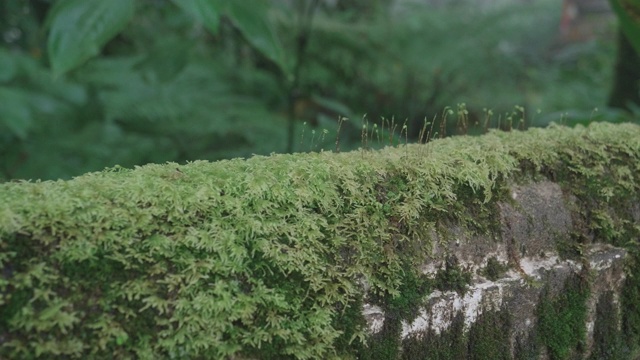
<point x="535" y="258"/>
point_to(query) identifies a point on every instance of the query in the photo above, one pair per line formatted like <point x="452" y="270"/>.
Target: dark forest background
<point x="89" y="84"/>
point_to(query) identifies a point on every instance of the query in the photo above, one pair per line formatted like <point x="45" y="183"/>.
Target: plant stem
<point x="302" y="41"/>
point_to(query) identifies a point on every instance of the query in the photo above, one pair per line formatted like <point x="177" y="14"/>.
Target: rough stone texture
<point x="532" y="226"/>
<point x="635" y="212"/>
<point x="538" y="219"/>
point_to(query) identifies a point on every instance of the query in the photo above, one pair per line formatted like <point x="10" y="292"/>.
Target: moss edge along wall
<point x="272" y="257"/>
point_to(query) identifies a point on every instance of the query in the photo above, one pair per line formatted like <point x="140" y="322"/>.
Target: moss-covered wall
<point x="275" y="257"/>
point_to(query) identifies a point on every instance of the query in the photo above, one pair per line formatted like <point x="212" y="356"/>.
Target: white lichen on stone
<point x="445" y="306"/>
<point x="374" y="316"/>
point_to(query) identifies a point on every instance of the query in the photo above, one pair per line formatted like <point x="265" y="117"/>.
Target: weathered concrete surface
<point x="534" y="226"/>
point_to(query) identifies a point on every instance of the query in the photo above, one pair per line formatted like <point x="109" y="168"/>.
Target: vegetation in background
<point x="628" y="12"/>
<point x="626" y="82"/>
<point x="89" y="84"/>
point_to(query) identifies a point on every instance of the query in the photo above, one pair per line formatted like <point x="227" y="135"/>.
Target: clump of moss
<point x="385" y="345"/>
<point x="562" y="319"/>
<point x="494" y="269"/>
<point x="486" y="339"/>
<point x="489" y="336"/>
<point x="572" y="247"/>
<point x="451" y="343"/>
<point x="477" y="214"/>
<point x="452" y="277"/>
<point x="351" y="323"/>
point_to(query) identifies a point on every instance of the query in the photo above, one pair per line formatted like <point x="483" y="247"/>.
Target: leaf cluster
<point x="156" y="92"/>
<point x="90" y="84"/>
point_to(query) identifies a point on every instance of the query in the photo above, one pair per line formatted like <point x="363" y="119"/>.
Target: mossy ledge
<point x="277" y="257"/>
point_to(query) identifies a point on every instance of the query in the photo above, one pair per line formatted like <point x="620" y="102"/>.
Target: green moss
<point x="489" y="336"/>
<point x="451" y="343"/>
<point x="486" y="339"/>
<point x="411" y="294"/>
<point x="351" y="324"/>
<point x="573" y="247"/>
<point x="494" y="269"/>
<point x="404" y="305"/>
<point x="384" y="345"/>
<point x="604" y="185"/>
<point x="265" y="256"/>
<point x="452" y="277"/>
<point x="562" y="319"/>
<point x="477" y="214"/>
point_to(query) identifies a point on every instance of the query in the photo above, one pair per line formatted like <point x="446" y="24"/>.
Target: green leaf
<point x="251" y="18"/>
<point x="7" y="66"/>
<point x="15" y="112"/>
<point x="79" y="29"/>
<point x="167" y="59"/>
<point x="628" y="12"/>
<point x="206" y="12"/>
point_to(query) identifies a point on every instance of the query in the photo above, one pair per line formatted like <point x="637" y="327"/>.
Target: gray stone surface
<point x="532" y="226"/>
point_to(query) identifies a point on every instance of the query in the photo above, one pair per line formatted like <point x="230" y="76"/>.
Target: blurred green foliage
<point x="628" y="12"/>
<point x="90" y="84"/>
